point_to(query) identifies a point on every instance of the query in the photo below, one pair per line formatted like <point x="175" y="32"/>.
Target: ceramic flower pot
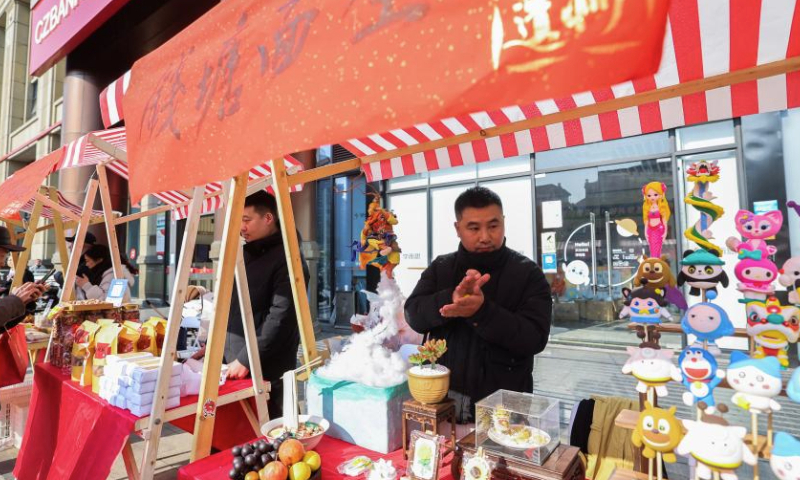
<point x="428" y="385"/>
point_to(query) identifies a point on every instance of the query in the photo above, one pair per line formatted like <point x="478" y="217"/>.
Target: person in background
<point x="88" y="243"/>
<point x="94" y="281"/>
<point x="13" y="304"/>
<point x="6" y="247"/>
<point x="270" y="289"/>
<point x="491" y="304"/>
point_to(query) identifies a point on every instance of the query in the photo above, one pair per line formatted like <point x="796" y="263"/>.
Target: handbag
<point x="13" y="356"/>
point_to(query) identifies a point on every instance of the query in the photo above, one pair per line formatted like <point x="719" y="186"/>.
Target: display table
<point x="74" y="434"/>
<point x="333" y="452"/>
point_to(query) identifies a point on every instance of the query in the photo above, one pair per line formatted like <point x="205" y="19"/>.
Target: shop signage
<point x="58" y="26"/>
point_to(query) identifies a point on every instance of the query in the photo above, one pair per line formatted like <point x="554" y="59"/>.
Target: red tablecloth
<point x="74" y="434"/>
<point x="332" y="451"/>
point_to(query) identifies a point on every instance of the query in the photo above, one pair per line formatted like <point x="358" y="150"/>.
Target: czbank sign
<point x="58" y="26"/>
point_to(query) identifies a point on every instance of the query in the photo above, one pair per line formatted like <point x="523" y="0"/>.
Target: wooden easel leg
<point x="27" y="242"/>
<point x="58" y="225"/>
<point x="153" y="434"/>
<point x="209" y="386"/>
<point x="294" y="261"/>
<point x="130" y="461"/>
<point x="75" y="255"/>
<point x="111" y="227"/>
<point x="251" y="340"/>
<point x="251" y="417"/>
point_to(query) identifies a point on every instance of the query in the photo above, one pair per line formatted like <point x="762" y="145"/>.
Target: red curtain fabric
<point x="253" y="80"/>
<point x="73" y="434"/>
<point x="21" y="187"/>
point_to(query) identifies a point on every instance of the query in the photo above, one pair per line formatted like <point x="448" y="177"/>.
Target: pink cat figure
<point x="756" y="229"/>
<point x="756" y="274"/>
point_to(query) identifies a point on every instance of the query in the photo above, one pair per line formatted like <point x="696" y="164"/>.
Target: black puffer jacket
<point x="273" y="310"/>
<point x="494" y="348"/>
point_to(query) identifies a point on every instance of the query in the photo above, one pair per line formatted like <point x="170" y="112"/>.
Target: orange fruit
<point x="291" y="452"/>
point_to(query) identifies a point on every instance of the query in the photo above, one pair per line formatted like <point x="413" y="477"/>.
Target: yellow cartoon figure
<point x="658" y="431"/>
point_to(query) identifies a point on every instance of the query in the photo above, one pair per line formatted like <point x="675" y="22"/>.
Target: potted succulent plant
<point x="428" y="381"/>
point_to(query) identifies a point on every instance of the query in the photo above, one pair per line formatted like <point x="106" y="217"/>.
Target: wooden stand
<point x="563" y="464"/>
<point x="429" y="415"/>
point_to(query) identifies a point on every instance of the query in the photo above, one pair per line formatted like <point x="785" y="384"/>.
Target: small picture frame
<point x="424" y="456"/>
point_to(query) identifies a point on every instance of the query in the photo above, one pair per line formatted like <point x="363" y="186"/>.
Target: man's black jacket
<point x="494" y="348"/>
<point x="273" y="310"/>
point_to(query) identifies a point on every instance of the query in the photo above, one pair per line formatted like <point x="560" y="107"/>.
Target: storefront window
<point x="412" y="231"/>
<point x="444" y="238"/>
<point x="409" y="181"/>
<point x="705" y="135"/>
<point x="633" y="147"/>
<point x="505" y="166"/>
<point x="516" y="196"/>
<point x="456" y="174"/>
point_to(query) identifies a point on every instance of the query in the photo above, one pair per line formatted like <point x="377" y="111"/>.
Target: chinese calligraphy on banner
<point x="254" y="79"/>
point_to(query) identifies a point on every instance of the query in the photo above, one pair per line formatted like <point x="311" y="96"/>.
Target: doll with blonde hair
<point x="655" y="215"/>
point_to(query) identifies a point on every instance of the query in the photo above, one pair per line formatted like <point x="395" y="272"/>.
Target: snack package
<point x="355" y="466"/>
<point x="130" y="312"/>
<point x="128" y="337"/>
<point x="82" y="352"/>
<point x="156" y="328"/>
<point x="105" y="344"/>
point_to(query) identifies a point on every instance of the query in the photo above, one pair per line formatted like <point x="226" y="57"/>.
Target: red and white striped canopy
<point x="47" y="212"/>
<point x="82" y="152"/>
<point x="704" y="38"/>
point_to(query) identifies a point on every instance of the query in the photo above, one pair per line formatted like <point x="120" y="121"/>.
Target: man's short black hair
<point x="263" y="203"/>
<point x="476" y="197"/>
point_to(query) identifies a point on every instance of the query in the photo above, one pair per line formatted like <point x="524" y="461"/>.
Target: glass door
<point x="590" y="240"/>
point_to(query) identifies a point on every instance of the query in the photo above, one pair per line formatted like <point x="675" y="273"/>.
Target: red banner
<point x="22" y="186"/>
<point x="253" y="80"/>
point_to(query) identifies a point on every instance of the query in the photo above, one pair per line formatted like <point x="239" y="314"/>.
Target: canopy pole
<point x="169" y="349"/>
<point x="27" y="242"/>
<point x="58" y="225"/>
<point x="77" y="246"/>
<point x="209" y="386"/>
<point x="294" y="261"/>
<point x="12" y="233"/>
<point x="108" y="214"/>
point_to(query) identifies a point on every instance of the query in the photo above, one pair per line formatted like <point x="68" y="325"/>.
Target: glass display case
<point x="519" y="425"/>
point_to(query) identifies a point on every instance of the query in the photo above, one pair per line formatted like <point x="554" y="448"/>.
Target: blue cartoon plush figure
<point x="707" y="322"/>
<point x="793" y="386"/>
<point x="701" y="376"/>
<point x="785" y="458"/>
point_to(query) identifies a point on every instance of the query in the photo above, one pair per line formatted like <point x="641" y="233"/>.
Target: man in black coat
<point x="271" y="296"/>
<point x="491" y="304"/>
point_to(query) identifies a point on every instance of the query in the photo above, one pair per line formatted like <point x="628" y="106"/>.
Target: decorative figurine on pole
<point x="756" y="229"/>
<point x="708" y="322"/>
<point x="785" y="457"/>
<point x="756" y="273"/>
<point x="655" y="215"/>
<point x="790" y="278"/>
<point x="378" y="243"/>
<point x="659" y="432"/>
<point x="773" y="327"/>
<point x="701" y="375"/>
<point x="653" y="368"/>
<point x="645" y="308"/>
<point x="703" y="272"/>
<point x="702" y="173"/>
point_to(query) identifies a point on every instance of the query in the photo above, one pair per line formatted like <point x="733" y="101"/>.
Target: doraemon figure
<point x="757" y="382"/>
<point x="707" y="322"/>
<point x="701" y="375"/>
<point x="785" y="458"/>
<point x="793" y="386"/>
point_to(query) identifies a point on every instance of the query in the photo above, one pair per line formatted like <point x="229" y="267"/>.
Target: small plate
<point x="538" y="438"/>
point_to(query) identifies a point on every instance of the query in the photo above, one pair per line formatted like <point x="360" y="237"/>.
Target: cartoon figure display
<point x="653" y="367"/>
<point x="785" y="457"/>
<point x="793" y="387"/>
<point x="655" y="274"/>
<point x="646" y="308"/>
<point x="702" y="173"/>
<point x="708" y="322"/>
<point x="717" y="446"/>
<point x="755" y="273"/>
<point x="773" y="327"/>
<point x="701" y="375"/>
<point x="702" y="271"/>
<point x="658" y="431"/>
<point x="655" y="215"/>
<point x="790" y="278"/>
<point x="378" y="243"/>
<point x="756" y="229"/>
<point x="756" y="381"/>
